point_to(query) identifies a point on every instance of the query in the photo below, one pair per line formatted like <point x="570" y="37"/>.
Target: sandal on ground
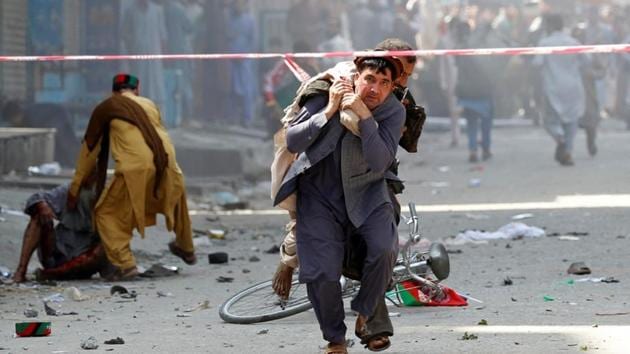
<point x="336" y="348"/>
<point x="374" y="342"/>
<point x="188" y="257"/>
<point x="282" y="281"/>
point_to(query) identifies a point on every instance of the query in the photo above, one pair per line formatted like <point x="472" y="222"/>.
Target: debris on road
<point x="482" y="323"/>
<point x="124" y="293"/>
<point x="578" y="268"/>
<point x="507" y="281"/>
<point x="213" y="218"/>
<point x="613" y="314"/>
<point x="30" y="313"/>
<point x="56" y="297"/>
<point x="511" y="231"/>
<point x="75" y="294"/>
<point x="598" y="280"/>
<point x="470" y="336"/>
<point x="115" y="341"/>
<point x="218" y="258"/>
<point x="222" y="279"/>
<point x="45" y="169"/>
<point x="474" y="182"/>
<point x="229" y="201"/>
<point x="568" y="238"/>
<point x="254" y="259"/>
<point x="570" y="233"/>
<point x="263" y="331"/>
<point x="548" y="298"/>
<point x="217" y="234"/>
<point x="522" y="216"/>
<point x="5" y="272"/>
<point x="159" y="270"/>
<point x="32" y="329"/>
<point x="54" y="312"/>
<point x="89" y="344"/>
<point x="201" y="306"/>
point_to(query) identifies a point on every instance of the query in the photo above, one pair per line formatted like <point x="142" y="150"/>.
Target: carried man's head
<point x="125" y="82"/>
<point x="375" y="77"/>
<point x="408" y="62"/>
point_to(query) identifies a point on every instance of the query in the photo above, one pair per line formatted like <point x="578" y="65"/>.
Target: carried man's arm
<point x="379" y="140"/>
<point x="311" y="119"/>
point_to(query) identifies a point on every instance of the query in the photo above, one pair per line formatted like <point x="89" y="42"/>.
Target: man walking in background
<point x="562" y="88"/>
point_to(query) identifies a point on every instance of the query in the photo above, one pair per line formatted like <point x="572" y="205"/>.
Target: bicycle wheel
<point x="259" y="303"/>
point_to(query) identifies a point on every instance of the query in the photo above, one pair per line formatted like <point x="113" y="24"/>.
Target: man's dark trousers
<point x="323" y="229"/>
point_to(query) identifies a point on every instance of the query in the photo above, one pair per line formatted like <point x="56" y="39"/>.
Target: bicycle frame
<point x="409" y="266"/>
<point x="260" y="302"/>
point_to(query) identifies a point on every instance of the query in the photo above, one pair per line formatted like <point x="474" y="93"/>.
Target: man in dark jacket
<point x="340" y="181"/>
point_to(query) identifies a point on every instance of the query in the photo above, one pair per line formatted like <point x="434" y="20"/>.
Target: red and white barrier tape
<point x="604" y="48"/>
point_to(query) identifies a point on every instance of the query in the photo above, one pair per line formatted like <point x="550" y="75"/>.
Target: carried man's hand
<point x="354" y="102"/>
<point x="71" y="202"/>
<point x="45" y="215"/>
<point x="337" y="91"/>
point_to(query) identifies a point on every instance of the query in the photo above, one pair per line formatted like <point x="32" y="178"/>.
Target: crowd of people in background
<point x="482" y="88"/>
<point x="479" y="89"/>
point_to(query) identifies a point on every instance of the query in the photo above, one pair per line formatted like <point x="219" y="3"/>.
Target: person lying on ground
<point x="69" y="250"/>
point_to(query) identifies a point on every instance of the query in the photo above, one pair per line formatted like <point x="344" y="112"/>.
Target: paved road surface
<point x="591" y="197"/>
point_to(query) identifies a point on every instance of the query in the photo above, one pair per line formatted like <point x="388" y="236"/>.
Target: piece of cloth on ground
<point x="511" y="231"/>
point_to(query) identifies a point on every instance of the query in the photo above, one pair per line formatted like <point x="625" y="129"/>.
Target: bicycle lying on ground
<point x="259" y="302"/>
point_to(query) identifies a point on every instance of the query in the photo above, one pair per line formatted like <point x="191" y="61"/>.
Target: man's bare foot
<point x="19" y="277"/>
<point x="282" y="280"/>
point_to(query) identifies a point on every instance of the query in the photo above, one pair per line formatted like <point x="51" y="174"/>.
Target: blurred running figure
<point x="562" y="87"/>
